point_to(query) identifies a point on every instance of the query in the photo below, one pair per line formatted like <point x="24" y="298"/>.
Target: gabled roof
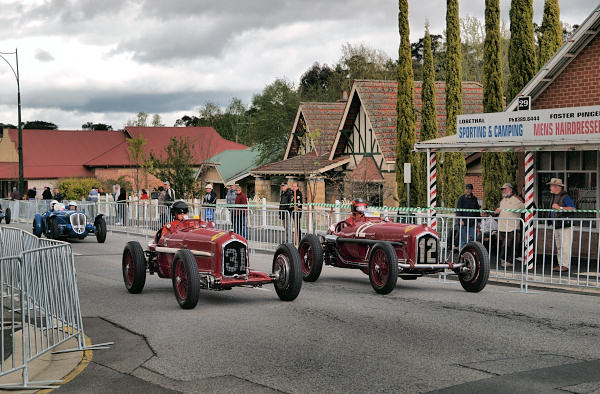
<point x="233" y="165"/>
<point x="586" y="32"/>
<point x="379" y="101"/>
<point x="206" y="142"/>
<point x="308" y="164"/>
<point x="322" y="121"/>
<point x="366" y="171"/>
<point x="62" y="153"/>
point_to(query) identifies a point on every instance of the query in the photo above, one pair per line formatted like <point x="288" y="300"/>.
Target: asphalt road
<point x="337" y="336"/>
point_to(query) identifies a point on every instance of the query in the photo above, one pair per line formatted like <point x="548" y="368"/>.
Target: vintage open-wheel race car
<point x="196" y="256"/>
<point x="6" y="215"/>
<point x="61" y="223"/>
<point x="386" y="251"/>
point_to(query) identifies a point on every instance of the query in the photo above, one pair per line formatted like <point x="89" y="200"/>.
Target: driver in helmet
<point x="52" y="204"/>
<point x="72" y="205"/>
<point x="357" y="208"/>
<point x="179" y="211"/>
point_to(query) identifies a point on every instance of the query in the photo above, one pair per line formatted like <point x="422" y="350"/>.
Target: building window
<point x="578" y="171"/>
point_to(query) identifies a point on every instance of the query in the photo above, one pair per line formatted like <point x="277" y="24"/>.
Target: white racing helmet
<point x="73" y="203"/>
<point x="52" y="204"/>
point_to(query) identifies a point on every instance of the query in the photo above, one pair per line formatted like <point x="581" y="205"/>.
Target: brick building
<point x="348" y="148"/>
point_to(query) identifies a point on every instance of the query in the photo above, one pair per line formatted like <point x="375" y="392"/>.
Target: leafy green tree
<point x="439" y="56"/>
<point x="95" y="126"/>
<point x="473" y="34"/>
<point x="454" y="169"/>
<point x="7" y="126"/>
<point x="176" y="165"/>
<point x="141" y="120"/>
<point x="40" y="125"/>
<point x="429" y="125"/>
<point x="157" y="121"/>
<point x="271" y="117"/>
<point x="320" y="83"/>
<point x="522" y="63"/>
<point x="493" y="173"/>
<point x="136" y="150"/>
<point x="406" y="137"/>
<point x="76" y="188"/>
<point x="552" y="31"/>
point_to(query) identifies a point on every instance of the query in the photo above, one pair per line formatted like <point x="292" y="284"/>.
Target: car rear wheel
<point x="53" y="229"/>
<point x="186" y="280"/>
<point x="477" y="272"/>
<point x="383" y="268"/>
<point x="100" y="230"/>
<point x="7" y="216"/>
<point x="311" y="257"/>
<point x="288" y="272"/>
<point x="134" y="267"/>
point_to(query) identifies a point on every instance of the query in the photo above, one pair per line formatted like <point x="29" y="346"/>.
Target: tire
<point x="38" y="228"/>
<point x="383" y="268"/>
<point x="53" y="231"/>
<point x="134" y="267"/>
<point x="311" y="257"/>
<point x="286" y="263"/>
<point x="7" y="216"/>
<point x="100" y="230"/>
<point x="478" y="262"/>
<point x="186" y="280"/>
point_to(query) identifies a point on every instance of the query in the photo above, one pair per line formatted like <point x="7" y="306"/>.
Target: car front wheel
<point x="134" y="267"/>
<point x="100" y="230"/>
<point x="383" y="268"/>
<point x="311" y="257"/>
<point x="477" y="263"/>
<point x="7" y="216"/>
<point x="288" y="272"/>
<point x="53" y="229"/>
<point x="186" y="280"/>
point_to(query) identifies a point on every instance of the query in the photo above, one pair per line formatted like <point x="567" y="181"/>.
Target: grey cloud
<point x="43" y="55"/>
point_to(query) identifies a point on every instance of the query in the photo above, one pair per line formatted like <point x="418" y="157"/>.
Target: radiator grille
<point x="235" y="258"/>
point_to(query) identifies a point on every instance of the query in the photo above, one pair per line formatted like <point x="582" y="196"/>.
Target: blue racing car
<point x="61" y="223"/>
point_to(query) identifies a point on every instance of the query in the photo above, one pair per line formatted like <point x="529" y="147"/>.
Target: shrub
<point x="76" y="188"/>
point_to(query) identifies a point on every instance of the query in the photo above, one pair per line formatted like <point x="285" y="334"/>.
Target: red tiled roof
<point x="207" y="143"/>
<point x="379" y="100"/>
<point x="322" y="121"/>
<point x="309" y="163"/>
<point x="59" y="153"/>
<point x="366" y="171"/>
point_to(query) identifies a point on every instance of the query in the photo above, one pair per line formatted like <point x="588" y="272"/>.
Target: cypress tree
<point x="522" y="63"/>
<point x="406" y="128"/>
<point x="493" y="175"/>
<point x="429" y="125"/>
<point x="454" y="170"/>
<point x="551" y="38"/>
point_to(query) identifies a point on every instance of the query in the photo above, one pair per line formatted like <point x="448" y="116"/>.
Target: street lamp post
<point x="20" y="148"/>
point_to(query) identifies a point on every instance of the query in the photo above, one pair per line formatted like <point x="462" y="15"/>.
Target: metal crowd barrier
<point x="266" y="227"/>
<point x="39" y="303"/>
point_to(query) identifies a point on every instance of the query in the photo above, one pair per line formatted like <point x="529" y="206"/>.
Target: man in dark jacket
<point x="46" y="194"/>
<point x="467" y="221"/>
<point x="285" y="205"/>
<point x="296" y="210"/>
<point x="58" y="196"/>
<point x="562" y="203"/>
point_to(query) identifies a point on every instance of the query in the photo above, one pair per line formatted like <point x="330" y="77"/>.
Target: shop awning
<point x="450" y="144"/>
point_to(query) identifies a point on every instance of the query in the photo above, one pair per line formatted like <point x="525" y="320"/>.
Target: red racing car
<point x="196" y="256"/>
<point x="386" y="251"/>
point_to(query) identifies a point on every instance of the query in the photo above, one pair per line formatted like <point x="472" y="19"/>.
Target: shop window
<point x="590" y="160"/>
<point x="544" y="161"/>
<point x="558" y="161"/>
<point x="573" y="160"/>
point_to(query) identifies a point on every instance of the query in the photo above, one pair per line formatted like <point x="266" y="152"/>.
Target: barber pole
<point x="529" y="181"/>
<point x="432" y="187"/>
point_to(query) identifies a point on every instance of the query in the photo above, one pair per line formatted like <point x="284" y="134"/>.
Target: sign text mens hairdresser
<point x="576" y="123"/>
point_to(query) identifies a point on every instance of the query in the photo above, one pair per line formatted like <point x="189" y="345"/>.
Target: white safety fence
<point x="39" y="302"/>
<point x="505" y="239"/>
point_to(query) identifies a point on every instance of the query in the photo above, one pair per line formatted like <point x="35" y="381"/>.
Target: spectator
<point x="116" y="191"/>
<point x="239" y="216"/>
<point x="144" y="195"/>
<point x="93" y="194"/>
<point x="563" y="232"/>
<point x="285" y="205"/>
<point x="122" y="206"/>
<point x="15" y="195"/>
<point x="210" y="200"/>
<point x="169" y="193"/>
<point x="467" y="218"/>
<point x="31" y="194"/>
<point x="101" y="192"/>
<point x="162" y="207"/>
<point x="58" y="196"/>
<point x="488" y="226"/>
<point x="508" y="223"/>
<point x="231" y="194"/>
<point x="46" y="194"/>
<point x="296" y="209"/>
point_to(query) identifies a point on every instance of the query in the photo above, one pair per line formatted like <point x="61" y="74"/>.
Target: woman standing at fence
<point x="239" y="214"/>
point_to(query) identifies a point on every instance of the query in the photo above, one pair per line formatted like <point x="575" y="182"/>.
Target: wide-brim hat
<point x="556" y="182"/>
<point x="209" y="186"/>
<point x="507" y="185"/>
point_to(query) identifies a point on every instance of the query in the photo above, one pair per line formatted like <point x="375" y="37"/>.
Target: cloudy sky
<point x="105" y="60"/>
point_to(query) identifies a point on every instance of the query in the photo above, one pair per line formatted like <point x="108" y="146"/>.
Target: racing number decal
<point x="235" y="261"/>
<point x="427" y="250"/>
<point x="361" y="231"/>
